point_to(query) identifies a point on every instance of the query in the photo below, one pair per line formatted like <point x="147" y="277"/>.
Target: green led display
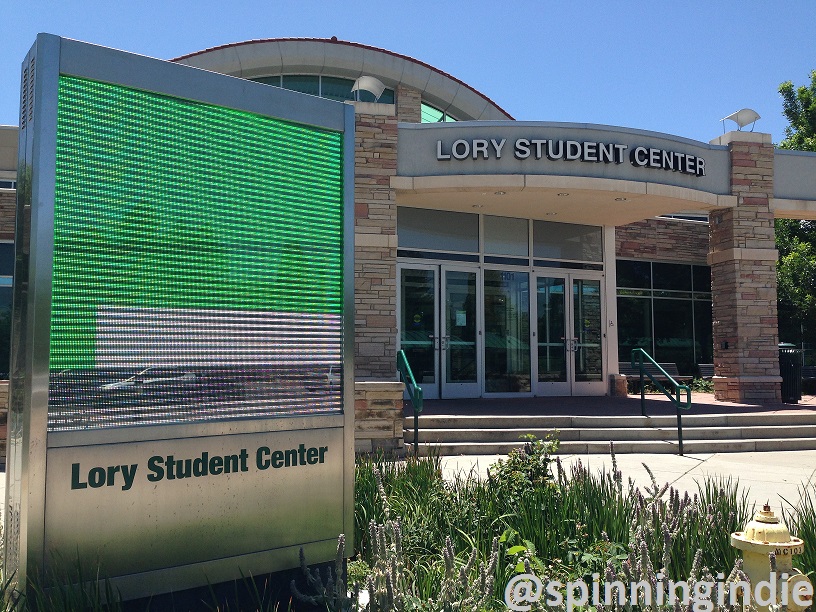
<point x="166" y="205"/>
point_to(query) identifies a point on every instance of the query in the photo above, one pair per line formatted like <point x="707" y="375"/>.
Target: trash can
<point x="790" y="368"/>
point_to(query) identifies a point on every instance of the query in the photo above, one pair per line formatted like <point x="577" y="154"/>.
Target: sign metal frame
<point x="33" y="451"/>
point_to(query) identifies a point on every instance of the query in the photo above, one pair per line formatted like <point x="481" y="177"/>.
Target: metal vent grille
<point x="24" y="100"/>
<point x="27" y="95"/>
<point x="31" y="89"/>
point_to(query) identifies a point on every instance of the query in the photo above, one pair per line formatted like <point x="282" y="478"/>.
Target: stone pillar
<point x="375" y="245"/>
<point x="4" y="404"/>
<point x="375" y="233"/>
<point x="378" y="417"/>
<point x="743" y="258"/>
<point x="8" y="210"/>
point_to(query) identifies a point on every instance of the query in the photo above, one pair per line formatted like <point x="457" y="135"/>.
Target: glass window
<point x="567" y="241"/>
<point x="333" y="88"/>
<point x="387" y="96"/>
<point x="271" y="80"/>
<point x="674" y="334"/>
<point x="636" y="274"/>
<point x="421" y="228"/>
<point x="336" y="88"/>
<point x="674" y="277"/>
<point x="5" y="331"/>
<point x="431" y="114"/>
<point x="6" y="258"/>
<point x="702" y="278"/>
<point x="304" y="83"/>
<point x="703" y="336"/>
<point x="634" y="326"/>
<point x="506" y="236"/>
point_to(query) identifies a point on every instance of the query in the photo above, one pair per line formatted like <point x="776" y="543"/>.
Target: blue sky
<point x="673" y="67"/>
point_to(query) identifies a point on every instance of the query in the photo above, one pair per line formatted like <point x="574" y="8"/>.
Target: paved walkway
<point x="773" y="476"/>
<point x="776" y="476"/>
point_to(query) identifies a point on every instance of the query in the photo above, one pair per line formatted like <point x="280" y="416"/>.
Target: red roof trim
<point x="350" y="44"/>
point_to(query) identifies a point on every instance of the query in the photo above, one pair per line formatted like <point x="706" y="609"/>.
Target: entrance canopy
<point x="579" y="173"/>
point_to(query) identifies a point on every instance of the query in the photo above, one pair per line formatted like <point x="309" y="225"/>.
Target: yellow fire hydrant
<point x="764" y="535"/>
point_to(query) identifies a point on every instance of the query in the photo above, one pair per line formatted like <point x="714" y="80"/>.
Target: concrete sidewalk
<point x="775" y="477"/>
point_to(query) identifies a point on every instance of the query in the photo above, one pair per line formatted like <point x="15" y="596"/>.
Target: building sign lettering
<point x="169" y="467"/>
<point x="572" y="150"/>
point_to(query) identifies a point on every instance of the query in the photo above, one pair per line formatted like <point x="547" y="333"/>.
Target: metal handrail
<point x="638" y="357"/>
<point x="414" y="392"/>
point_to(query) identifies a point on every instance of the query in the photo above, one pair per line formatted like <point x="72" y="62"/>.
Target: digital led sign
<point x="197" y="261"/>
<point x="183" y="310"/>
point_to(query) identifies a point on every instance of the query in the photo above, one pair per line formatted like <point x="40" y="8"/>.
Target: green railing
<point x="639" y="359"/>
<point x="414" y="393"/>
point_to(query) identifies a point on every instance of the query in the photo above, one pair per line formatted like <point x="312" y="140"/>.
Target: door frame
<point x="459" y="390"/>
<point x="571" y="387"/>
<point x="429" y="390"/>
<point x="550" y="389"/>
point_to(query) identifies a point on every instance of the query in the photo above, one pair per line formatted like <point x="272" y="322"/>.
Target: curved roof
<point x="269" y="57"/>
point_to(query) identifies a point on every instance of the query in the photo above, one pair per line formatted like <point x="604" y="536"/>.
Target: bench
<point x="633" y="373"/>
<point x="809" y="379"/>
<point x="706" y="370"/>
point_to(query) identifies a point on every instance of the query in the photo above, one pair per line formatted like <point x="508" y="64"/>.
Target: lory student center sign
<point x="182" y="360"/>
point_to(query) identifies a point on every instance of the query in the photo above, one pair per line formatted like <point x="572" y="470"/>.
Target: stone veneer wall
<point x="663" y="240"/>
<point x="375" y="247"/>
<point x="4" y="403"/>
<point x="743" y="275"/>
<point x="375" y="236"/>
<point x="8" y="207"/>
<point x="378" y="417"/>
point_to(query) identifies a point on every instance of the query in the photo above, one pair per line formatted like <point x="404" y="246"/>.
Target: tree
<point x="796" y="240"/>
<point x="799" y="108"/>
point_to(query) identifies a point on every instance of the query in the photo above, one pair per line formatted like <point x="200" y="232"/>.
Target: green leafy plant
<point x="525" y="469"/>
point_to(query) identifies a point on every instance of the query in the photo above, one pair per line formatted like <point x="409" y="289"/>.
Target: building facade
<point x="512" y="258"/>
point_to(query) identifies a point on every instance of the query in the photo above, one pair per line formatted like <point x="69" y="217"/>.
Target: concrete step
<point x="690" y="447"/>
<point x="562" y="422"/>
<point x="618" y="434"/>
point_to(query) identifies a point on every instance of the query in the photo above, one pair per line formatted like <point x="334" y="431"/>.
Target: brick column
<point x="378" y="417"/>
<point x="8" y="210"/>
<point x="375" y="246"/>
<point x="375" y="233"/>
<point x="743" y="277"/>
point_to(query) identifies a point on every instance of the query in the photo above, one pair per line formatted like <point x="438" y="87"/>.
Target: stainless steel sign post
<point x="181" y="390"/>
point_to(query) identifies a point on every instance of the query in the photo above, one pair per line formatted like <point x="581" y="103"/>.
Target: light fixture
<point x="620" y="199"/>
<point x="499" y="193"/>
<point x="742" y="118"/>
<point x="371" y="84"/>
<point x="550" y="214"/>
<point x="563" y="193"/>
<point x="478" y="205"/>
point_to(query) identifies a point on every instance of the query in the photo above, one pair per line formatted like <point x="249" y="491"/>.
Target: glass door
<point x="507" y="332"/>
<point x="550" y="336"/>
<point x="569" y="335"/>
<point x="460" y="345"/>
<point x="587" y="337"/>
<point x="419" y="325"/>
